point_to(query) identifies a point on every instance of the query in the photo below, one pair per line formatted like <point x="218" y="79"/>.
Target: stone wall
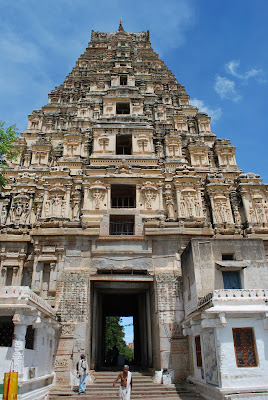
<point x="73" y="297"/>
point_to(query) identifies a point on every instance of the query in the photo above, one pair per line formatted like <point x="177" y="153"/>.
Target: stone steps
<point x="143" y="389"/>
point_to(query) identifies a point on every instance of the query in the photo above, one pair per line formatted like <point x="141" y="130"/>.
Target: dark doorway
<point x="122" y="108"/>
<point x="124" y="144"/>
<point x="123" y="78"/>
<point x="121" y="224"/>
<point x="127" y="306"/>
<point x="118" y="303"/>
<point x="123" y="196"/>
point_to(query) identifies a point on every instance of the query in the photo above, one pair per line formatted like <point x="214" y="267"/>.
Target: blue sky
<point x="127" y="322"/>
<point x="217" y="49"/>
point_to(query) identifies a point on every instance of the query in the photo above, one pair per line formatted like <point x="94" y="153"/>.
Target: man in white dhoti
<point x="126" y="383"/>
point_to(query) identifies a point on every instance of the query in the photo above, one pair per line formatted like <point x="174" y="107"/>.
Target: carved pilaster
<point x="160" y="189"/>
<point x="45" y="198"/>
<point x="86" y="197"/>
<point x="68" y="197"/>
<point x="235" y="208"/>
<point x="169" y="202"/>
<point x="28" y="219"/>
<point x="52" y="277"/>
<point x="19" y="346"/>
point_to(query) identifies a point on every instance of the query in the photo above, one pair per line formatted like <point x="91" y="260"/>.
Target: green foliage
<point x="8" y="152"/>
<point x="114" y="336"/>
<point x="128" y="353"/>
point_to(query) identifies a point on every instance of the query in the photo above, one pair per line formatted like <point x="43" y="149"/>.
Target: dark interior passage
<point x="117" y="303"/>
<point x="118" y="350"/>
<point x="127" y="306"/>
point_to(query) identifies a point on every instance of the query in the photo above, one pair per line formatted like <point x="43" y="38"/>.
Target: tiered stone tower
<point x="116" y="174"/>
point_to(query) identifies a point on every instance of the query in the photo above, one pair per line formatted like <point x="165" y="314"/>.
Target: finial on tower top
<point x="120" y="25"/>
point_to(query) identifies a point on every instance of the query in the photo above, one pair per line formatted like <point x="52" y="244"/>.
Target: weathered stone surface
<point x="67" y="331"/>
<point x="72" y="296"/>
<point x="65" y="346"/>
<point x="62" y="363"/>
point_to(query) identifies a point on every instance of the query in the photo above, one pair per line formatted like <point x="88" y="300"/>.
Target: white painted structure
<point x="35" y="366"/>
<point x="230" y="309"/>
<point x="227" y="327"/>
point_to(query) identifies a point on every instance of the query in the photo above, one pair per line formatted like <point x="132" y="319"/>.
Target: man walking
<point x="126" y="383"/>
<point x="82" y="372"/>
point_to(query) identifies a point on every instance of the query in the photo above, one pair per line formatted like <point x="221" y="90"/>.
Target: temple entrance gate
<point x="122" y="298"/>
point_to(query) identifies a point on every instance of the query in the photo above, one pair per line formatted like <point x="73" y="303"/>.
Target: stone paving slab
<point x="85" y="397"/>
<point x="181" y="396"/>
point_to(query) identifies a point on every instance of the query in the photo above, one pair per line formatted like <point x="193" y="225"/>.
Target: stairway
<point x="143" y="388"/>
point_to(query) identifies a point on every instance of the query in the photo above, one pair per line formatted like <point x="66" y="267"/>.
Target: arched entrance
<point x="128" y="299"/>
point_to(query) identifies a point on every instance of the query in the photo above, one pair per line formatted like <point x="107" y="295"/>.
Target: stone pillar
<point x="245" y="205"/>
<point x="4" y="213"/>
<point x="36" y="277"/>
<point x="50" y="348"/>
<point x="19" y="346"/>
<point x="28" y="220"/>
<point x="139" y="226"/>
<point x="3" y="275"/>
<point x="10" y="215"/>
<point x="108" y="196"/>
<point x="1" y="206"/>
<point x="105" y="225"/>
<point x="178" y="196"/>
<point x="68" y="197"/>
<point x="212" y="208"/>
<point x="43" y="215"/>
<point x="16" y="276"/>
<point x="52" y="277"/>
<point x="161" y="206"/>
<point x="149" y="330"/>
<point x="85" y="203"/>
<point x="138" y="195"/>
<point x="95" y="333"/>
<point x="199" y="196"/>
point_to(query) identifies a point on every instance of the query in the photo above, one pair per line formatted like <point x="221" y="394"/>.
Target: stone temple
<point x="124" y="203"/>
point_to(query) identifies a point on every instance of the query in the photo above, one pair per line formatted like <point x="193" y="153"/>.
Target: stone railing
<point x="25" y="294"/>
<point x="233" y="294"/>
<point x="240" y="293"/>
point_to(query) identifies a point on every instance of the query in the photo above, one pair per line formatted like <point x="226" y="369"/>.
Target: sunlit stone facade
<point x="116" y="175"/>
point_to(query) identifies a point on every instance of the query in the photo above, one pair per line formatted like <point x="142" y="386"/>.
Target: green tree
<point x="128" y="353"/>
<point x="8" y="137"/>
<point x="114" y="336"/>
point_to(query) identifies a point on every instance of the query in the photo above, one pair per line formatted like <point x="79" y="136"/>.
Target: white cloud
<point x="170" y="24"/>
<point x="215" y="114"/>
<point x="226" y="89"/>
<point x="232" y="68"/>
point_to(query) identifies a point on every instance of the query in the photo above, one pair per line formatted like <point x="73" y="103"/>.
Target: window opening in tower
<point x="123" y="80"/>
<point x="122" y="108"/>
<point x="121" y="224"/>
<point x="124" y="144"/>
<point x="123" y="196"/>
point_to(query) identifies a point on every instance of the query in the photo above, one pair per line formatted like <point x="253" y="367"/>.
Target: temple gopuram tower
<point x="124" y="203"/>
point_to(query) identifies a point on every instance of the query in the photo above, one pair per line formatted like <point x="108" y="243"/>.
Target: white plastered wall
<point x="242" y="377"/>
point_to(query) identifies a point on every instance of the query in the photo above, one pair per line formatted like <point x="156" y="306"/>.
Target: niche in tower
<point x="124" y="144"/>
<point x="122" y="108"/>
